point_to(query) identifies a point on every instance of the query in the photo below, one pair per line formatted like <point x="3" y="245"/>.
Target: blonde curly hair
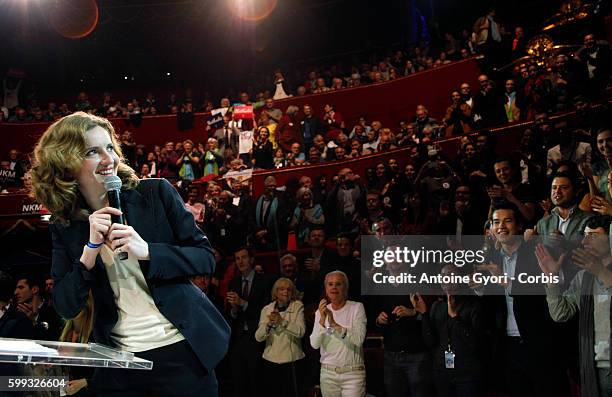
<point x="59" y="155"/>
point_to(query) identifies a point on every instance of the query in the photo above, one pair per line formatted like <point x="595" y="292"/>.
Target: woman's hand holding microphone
<point x="119" y="237"/>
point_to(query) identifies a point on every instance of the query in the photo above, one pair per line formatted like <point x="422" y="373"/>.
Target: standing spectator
<point x="333" y="120"/>
<point x="588" y="294"/>
<point x="511" y="189"/>
<point x="518" y="43"/>
<point x="275" y="114"/>
<point x="167" y="162"/>
<point x="194" y="205"/>
<point x="533" y="347"/>
<point x="305" y="215"/>
<point x="288" y="130"/>
<point x="489" y="104"/>
<point x="596" y="59"/>
<point x="311" y="126"/>
<point x="345" y="202"/>
<point x="248" y="294"/>
<point x="262" y="150"/>
<point x="281" y="326"/>
<point x="407" y="363"/>
<point x="513" y="103"/>
<point x="569" y="148"/>
<point x="211" y="160"/>
<point x="339" y="331"/>
<point x="453" y="329"/>
<point x="188" y="161"/>
<point x="128" y="147"/>
<point x="271" y="216"/>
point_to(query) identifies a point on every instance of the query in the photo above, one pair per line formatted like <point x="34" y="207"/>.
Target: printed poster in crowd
<point x="215" y="120"/>
<point x="243" y="112"/>
<point x="245" y="143"/>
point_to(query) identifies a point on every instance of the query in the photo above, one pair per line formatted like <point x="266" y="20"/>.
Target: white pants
<point x="349" y="384"/>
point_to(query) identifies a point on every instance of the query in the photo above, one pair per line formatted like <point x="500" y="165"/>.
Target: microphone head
<point x="112" y="182"/>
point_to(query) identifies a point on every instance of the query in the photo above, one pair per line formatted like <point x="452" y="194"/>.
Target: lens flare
<point x="73" y="19"/>
<point x="252" y="10"/>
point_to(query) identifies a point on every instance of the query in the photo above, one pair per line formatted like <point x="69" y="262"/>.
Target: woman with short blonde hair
<point x="282" y="326"/>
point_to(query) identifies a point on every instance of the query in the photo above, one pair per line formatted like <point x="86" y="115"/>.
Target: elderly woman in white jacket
<point x="282" y="326"/>
<point x="339" y="331"/>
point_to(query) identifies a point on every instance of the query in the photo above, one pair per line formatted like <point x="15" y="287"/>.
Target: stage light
<point x="125" y="77"/>
<point x="252" y="10"/>
<point x="168" y="74"/>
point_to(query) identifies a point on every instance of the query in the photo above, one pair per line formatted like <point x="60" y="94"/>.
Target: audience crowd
<point x="302" y="326"/>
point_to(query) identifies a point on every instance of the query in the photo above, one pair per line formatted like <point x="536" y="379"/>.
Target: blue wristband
<point x="93" y="246"/>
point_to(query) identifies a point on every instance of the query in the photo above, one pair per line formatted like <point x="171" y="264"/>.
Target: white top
<point x="335" y="350"/>
<point x="140" y="326"/>
<point x="284" y="343"/>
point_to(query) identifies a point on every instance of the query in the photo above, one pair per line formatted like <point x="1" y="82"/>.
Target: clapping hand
<point x="418" y="303"/>
<point x="323" y="311"/>
<point x="547" y="263"/>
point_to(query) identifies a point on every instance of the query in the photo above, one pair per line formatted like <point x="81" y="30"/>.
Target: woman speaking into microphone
<point x="144" y="301"/>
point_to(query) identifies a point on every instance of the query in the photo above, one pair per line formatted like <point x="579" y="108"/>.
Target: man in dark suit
<point x="271" y="214"/>
<point x="28" y="300"/>
<point x="534" y="348"/>
<point x="13" y="323"/>
<point x="248" y="294"/>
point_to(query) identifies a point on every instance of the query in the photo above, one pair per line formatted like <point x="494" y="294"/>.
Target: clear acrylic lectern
<point x="23" y="351"/>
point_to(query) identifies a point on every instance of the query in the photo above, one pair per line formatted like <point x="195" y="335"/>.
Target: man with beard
<point x="566" y="220"/>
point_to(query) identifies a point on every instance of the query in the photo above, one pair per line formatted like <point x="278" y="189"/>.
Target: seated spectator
<point x="422" y="119"/>
<point x="305" y="215"/>
<point x="319" y="86"/>
<point x="281" y="326"/>
<point x="279" y="160"/>
<point x="339" y="332"/>
<point x="295" y="155"/>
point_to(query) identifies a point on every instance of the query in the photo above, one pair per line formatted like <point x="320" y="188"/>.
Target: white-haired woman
<point x="281" y="326"/>
<point x="339" y="331"/>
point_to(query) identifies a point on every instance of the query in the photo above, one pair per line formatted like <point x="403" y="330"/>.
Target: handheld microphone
<point x="112" y="185"/>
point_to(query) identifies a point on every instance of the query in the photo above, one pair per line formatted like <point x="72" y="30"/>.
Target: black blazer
<point x="259" y="296"/>
<point x="541" y="334"/>
<point x="178" y="249"/>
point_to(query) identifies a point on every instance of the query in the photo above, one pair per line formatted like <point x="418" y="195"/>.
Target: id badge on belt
<point x="449" y="359"/>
